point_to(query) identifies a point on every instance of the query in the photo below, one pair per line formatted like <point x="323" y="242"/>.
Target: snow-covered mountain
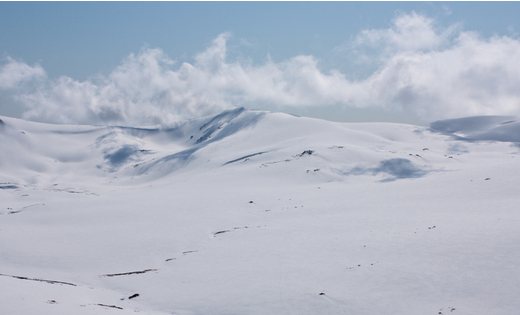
<point x="250" y="212"/>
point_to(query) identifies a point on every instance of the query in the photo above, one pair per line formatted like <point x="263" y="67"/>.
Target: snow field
<point x="266" y="214"/>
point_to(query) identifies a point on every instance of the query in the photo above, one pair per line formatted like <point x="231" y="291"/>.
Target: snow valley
<point x="253" y="212"/>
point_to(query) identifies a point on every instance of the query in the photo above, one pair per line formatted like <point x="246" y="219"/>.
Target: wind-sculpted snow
<point x="217" y="122"/>
<point x="212" y="130"/>
<point x="497" y="128"/>
<point x="250" y="212"/>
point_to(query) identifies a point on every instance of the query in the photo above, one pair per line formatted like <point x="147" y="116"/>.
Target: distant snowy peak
<point x="42" y="154"/>
<point x="497" y="128"/>
<point x="174" y="145"/>
<point x="225" y="124"/>
<point x="33" y="150"/>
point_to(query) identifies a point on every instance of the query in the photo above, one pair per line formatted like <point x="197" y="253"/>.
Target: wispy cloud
<point x="410" y="32"/>
<point x="433" y="71"/>
<point x="13" y="73"/>
<point x="446" y="10"/>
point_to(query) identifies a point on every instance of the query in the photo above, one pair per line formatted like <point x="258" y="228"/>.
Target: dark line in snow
<point x="112" y="306"/>
<point x="127" y="273"/>
<point x="8" y="186"/>
<point x="40" y="280"/>
<point x="18" y="211"/>
<point x="244" y="157"/>
<point x="220" y="232"/>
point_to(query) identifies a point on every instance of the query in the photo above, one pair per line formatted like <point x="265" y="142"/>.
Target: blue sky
<point x="145" y="63"/>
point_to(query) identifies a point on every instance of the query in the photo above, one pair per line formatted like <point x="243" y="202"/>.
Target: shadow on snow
<point x="396" y="168"/>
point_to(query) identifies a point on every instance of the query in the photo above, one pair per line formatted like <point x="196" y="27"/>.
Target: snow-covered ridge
<point x="252" y="212"/>
<point x="236" y="135"/>
<point x="55" y="149"/>
<point x="498" y="128"/>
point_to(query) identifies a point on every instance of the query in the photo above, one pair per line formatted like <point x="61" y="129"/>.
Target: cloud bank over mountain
<point x="433" y="71"/>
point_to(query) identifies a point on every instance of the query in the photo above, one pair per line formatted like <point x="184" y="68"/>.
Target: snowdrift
<point x="252" y="212"/>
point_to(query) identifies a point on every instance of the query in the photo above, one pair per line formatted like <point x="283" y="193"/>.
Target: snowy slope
<point x="250" y="212"/>
<point x="498" y="128"/>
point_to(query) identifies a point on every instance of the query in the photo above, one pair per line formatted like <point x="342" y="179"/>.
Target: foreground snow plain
<point x="250" y="212"/>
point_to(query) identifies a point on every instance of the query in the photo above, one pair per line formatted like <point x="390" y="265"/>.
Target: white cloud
<point x="145" y="89"/>
<point x="471" y="77"/>
<point x="13" y="73"/>
<point x="409" y="32"/>
<point x="432" y="71"/>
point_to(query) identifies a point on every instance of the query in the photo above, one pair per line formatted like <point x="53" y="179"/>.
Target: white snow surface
<point x="252" y="212"/>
